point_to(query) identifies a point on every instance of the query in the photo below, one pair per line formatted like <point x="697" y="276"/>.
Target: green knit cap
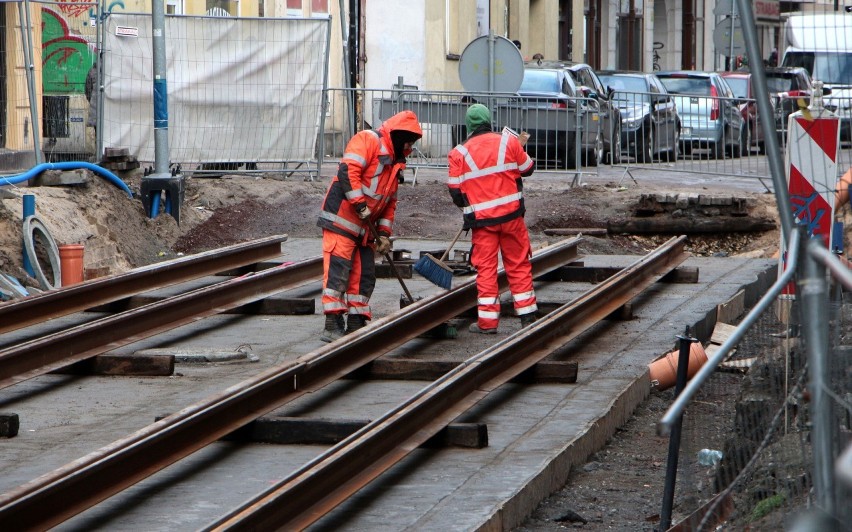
<point x="477" y="115"/>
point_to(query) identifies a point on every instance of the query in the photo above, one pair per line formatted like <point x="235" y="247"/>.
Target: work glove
<point x="383" y="245"/>
<point x="364" y="212"/>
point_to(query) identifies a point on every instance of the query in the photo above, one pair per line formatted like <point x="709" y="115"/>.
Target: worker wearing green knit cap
<point x="485" y="179"/>
<point x="477" y="116"/>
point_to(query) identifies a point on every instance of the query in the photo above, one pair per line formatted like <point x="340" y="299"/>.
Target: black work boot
<point x="528" y="319"/>
<point x="333" y="328"/>
<point x="355" y="322"/>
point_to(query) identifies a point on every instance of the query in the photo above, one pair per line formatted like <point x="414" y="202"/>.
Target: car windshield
<point x="626" y="87"/>
<point x="739" y="86"/>
<point x="686" y="85"/>
<point x="779" y="82"/>
<point x="540" y="81"/>
<point x="829" y="67"/>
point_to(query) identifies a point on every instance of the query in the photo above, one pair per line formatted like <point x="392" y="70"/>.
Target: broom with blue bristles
<point x="434" y="269"/>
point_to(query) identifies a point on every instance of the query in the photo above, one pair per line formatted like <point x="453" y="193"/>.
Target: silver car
<point x="709" y="112"/>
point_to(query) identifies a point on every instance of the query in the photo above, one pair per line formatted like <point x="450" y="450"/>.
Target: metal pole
<point x="347" y="69"/>
<point x="27" y="41"/>
<point x="686" y="342"/>
<point x="813" y="293"/>
<point x="767" y="118"/>
<point x="99" y="104"/>
<point x="731" y="59"/>
<point x="491" y="59"/>
<point x="161" y="100"/>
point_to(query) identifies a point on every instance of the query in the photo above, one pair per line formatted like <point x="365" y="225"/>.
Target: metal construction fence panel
<point x="754" y="467"/>
<point x="692" y="133"/>
<point x="552" y="126"/>
<point x="242" y="93"/>
<point x="707" y="134"/>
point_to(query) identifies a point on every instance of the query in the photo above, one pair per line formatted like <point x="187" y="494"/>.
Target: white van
<point x="822" y="44"/>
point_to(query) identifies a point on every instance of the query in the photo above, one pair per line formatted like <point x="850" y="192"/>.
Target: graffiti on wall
<point x="66" y="58"/>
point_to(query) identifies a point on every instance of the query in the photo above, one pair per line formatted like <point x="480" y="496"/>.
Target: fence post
<point x="813" y="292"/>
<point x="686" y="342"/>
<point x="27" y="43"/>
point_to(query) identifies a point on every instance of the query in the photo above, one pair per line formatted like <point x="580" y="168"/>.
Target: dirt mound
<point x="222" y="211"/>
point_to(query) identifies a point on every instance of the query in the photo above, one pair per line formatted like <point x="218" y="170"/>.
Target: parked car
<point x="649" y="121"/>
<point x="590" y="86"/>
<point x="549" y="99"/>
<point x="708" y="111"/>
<point x="743" y="87"/>
<point x="822" y="44"/>
<point x="790" y="88"/>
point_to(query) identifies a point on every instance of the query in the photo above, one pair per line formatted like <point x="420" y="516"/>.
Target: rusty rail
<point x="83" y="483"/>
<point x="48" y="353"/>
<point x="63" y="301"/>
<point x="328" y="480"/>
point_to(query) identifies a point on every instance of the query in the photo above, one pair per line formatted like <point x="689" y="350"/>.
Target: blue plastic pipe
<point x="69" y="165"/>
<point x="155" y="204"/>
<point x="29" y="210"/>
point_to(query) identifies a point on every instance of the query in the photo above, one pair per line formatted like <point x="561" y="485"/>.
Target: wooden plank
<point x="573" y="231"/>
<point x="681" y="275"/>
<point x="722" y="332"/>
<point x="429" y="370"/>
<point x="274" y="305"/>
<point x="127" y="365"/>
<point x="285" y="430"/>
<point x="691" y="226"/>
<point x="9" y="424"/>
<point x="582" y="274"/>
<point x="384" y="271"/>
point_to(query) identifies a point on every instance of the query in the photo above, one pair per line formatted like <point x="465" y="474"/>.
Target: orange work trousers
<point x="349" y="275"/>
<point x="512" y="241"/>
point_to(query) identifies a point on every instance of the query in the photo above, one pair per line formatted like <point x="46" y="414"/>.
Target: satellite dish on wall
<point x="480" y="58"/>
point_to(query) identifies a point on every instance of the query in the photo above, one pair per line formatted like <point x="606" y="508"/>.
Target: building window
<point x="223" y="8"/>
<point x="174" y="7"/>
<point x="319" y="6"/>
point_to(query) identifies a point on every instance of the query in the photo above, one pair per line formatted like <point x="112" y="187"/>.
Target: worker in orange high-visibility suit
<point x="485" y="182"/>
<point x="364" y="189"/>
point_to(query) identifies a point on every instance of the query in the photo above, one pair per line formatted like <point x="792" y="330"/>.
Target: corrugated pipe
<point x="69" y="165"/>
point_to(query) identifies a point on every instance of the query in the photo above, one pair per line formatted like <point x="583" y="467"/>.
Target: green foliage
<point x="766" y="506"/>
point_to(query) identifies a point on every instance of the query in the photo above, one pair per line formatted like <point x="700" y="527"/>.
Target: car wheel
<point x="674" y="153"/>
<point x="745" y="142"/>
<point x="719" y="148"/>
<point x="615" y="145"/>
<point x="595" y="156"/>
<point x="647" y="153"/>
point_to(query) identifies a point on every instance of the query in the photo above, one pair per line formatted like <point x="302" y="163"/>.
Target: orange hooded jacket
<point x="367" y="175"/>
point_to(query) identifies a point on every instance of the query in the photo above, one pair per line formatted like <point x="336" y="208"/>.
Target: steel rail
<point x="64" y="301"/>
<point x="314" y="490"/>
<point x="58" y="495"/>
<point x="48" y="353"/>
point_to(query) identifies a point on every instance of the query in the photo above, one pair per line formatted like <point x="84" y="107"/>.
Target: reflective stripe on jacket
<point x="485" y="178"/>
<point x="367" y="174"/>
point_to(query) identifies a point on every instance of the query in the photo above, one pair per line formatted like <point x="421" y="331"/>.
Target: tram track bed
<point x="535" y="432"/>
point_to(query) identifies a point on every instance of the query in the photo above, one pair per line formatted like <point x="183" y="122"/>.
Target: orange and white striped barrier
<point x="811" y="163"/>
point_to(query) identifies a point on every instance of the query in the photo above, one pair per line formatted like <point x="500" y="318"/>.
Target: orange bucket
<point x="71" y="264"/>
<point x="664" y="370"/>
